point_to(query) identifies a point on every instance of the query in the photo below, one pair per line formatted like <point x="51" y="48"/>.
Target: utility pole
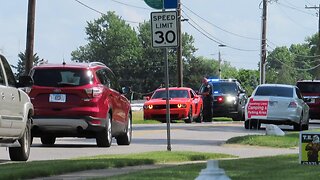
<point x="263" y="43"/>
<point x="219" y="58"/>
<point x="30" y="36"/>
<point x="317" y="73"/>
<point x="179" y="50"/>
<point x="219" y="65"/>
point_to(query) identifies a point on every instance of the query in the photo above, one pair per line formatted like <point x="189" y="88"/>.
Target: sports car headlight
<point x="148" y="106"/>
<point x="231" y="99"/>
<point x="181" y="105"/>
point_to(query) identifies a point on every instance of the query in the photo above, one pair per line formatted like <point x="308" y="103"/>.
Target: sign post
<point x="164" y="35"/>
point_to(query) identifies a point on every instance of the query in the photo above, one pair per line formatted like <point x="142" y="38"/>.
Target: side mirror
<point x="25" y="81"/>
<point x="147" y="98"/>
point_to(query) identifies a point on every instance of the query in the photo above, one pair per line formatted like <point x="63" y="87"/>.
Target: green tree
<point x="111" y="41"/>
<point x="280" y="68"/>
<point x="198" y="67"/>
<point x="20" y="68"/>
<point x="249" y="79"/>
<point x="312" y="43"/>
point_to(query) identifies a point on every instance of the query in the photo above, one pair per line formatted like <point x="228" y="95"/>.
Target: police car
<point x="229" y="98"/>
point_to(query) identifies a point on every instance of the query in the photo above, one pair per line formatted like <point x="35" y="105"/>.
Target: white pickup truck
<point x="16" y="111"/>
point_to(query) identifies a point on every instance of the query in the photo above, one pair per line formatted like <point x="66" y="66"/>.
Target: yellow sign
<point x="309" y="148"/>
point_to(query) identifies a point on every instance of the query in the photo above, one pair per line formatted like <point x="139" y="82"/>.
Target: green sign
<point x="155" y="4"/>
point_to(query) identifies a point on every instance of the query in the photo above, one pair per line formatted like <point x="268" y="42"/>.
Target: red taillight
<point x="293" y="105"/>
<point x="220" y="99"/>
<point x="94" y="91"/>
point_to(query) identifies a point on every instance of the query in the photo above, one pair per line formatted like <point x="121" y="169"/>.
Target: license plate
<point x="57" y="98"/>
<point x="312" y="100"/>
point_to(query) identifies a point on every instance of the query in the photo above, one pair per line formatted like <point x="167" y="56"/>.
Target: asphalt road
<point x="204" y="137"/>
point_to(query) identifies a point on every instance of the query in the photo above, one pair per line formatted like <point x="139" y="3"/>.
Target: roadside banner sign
<point x="257" y="108"/>
<point x="309" y="147"/>
<point x="164" y="29"/>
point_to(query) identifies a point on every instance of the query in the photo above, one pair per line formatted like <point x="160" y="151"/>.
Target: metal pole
<point x="166" y="75"/>
<point x="167" y="99"/>
<point x="179" y="50"/>
<point x="30" y="36"/>
<point x="219" y="65"/>
<point x="263" y="43"/>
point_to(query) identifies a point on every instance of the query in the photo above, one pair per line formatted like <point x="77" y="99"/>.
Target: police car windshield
<point x="224" y="87"/>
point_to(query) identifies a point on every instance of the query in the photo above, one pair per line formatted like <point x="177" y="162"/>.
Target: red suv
<point x="310" y="90"/>
<point x="79" y="100"/>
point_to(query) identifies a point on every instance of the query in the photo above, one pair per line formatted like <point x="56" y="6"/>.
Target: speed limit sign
<point x="164" y="29"/>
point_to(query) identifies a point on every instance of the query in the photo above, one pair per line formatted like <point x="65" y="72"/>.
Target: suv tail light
<point x="94" y="91"/>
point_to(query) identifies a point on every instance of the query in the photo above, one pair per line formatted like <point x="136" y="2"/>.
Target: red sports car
<point x="185" y="104"/>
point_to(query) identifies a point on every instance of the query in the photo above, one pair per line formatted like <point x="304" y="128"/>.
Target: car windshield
<point x="224" y="87"/>
<point x="274" y="91"/>
<point x="60" y="77"/>
<point x="309" y="87"/>
<point x="172" y="94"/>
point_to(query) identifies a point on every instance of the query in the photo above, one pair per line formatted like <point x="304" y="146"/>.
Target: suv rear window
<point x="274" y="91"/>
<point x="309" y="87"/>
<point x="60" y="77"/>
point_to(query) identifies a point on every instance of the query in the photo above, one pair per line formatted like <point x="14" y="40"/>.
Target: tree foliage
<point x="128" y="52"/>
<point x="20" y="68"/>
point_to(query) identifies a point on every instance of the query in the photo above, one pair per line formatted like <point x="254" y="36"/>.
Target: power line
<point x="299" y="69"/>
<point x="130" y="5"/>
<point x="292" y="20"/>
<point x="212" y="38"/>
<point x="238" y="35"/>
<point x="95" y="10"/>
<point x="90" y="7"/>
<point x="203" y="30"/>
<point x="294" y="8"/>
<point x="300" y="55"/>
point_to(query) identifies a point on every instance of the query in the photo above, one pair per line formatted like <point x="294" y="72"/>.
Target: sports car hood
<point x="163" y="101"/>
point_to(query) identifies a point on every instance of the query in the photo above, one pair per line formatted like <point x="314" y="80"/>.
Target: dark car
<point x="229" y="98"/>
<point x="310" y="90"/>
<point x="79" y="100"/>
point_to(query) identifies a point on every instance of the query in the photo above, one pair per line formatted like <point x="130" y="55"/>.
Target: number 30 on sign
<point x="164" y="29"/>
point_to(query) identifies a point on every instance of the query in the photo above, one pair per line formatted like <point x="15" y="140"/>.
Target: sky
<point x="60" y="26"/>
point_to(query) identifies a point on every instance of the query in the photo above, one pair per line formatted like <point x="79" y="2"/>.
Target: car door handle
<point x="12" y="97"/>
<point x="2" y="95"/>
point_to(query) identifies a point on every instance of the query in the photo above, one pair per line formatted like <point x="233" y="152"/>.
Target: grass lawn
<point x="33" y="169"/>
<point x="289" y="140"/>
<point x="284" y="167"/>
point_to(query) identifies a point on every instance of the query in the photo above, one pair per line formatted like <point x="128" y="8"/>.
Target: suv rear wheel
<point x="125" y="139"/>
<point x="104" y="137"/>
<point x="22" y="153"/>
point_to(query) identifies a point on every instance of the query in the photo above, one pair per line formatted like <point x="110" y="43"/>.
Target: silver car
<point x="277" y="104"/>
